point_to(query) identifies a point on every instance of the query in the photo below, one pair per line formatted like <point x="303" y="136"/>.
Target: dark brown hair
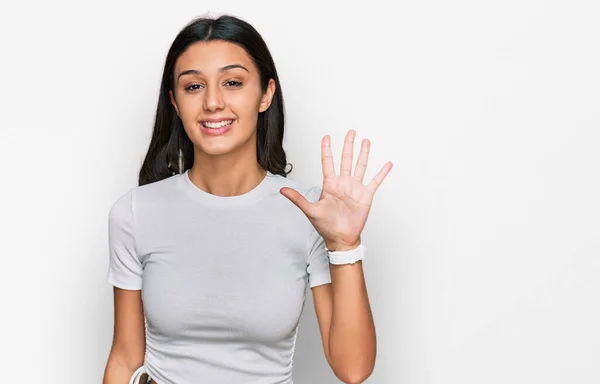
<point x="171" y="151"/>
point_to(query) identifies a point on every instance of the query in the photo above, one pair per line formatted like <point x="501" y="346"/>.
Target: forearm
<point x="352" y="340"/>
<point x="119" y="371"/>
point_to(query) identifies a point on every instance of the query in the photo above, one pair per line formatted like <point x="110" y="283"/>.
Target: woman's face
<point x="217" y="80"/>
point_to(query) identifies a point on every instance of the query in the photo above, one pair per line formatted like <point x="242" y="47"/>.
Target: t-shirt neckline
<point x="209" y="199"/>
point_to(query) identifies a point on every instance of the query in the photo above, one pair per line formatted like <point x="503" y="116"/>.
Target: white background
<point x="483" y="242"/>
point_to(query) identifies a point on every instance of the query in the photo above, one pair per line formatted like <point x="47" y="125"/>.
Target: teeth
<point x="217" y="125"/>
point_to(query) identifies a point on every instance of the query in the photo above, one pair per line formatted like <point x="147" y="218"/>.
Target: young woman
<point x="211" y="255"/>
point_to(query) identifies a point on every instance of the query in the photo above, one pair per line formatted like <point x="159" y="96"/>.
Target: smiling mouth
<point x="220" y="124"/>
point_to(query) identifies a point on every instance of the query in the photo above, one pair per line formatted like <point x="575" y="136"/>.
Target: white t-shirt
<point x="223" y="279"/>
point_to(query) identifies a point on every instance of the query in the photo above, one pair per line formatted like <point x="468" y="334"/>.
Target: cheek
<point x="189" y="107"/>
<point x="243" y="105"/>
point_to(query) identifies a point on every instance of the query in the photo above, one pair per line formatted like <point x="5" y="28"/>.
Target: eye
<point x="234" y="83"/>
<point x="192" y="87"/>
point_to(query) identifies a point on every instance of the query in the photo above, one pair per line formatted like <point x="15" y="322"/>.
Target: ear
<point x="265" y="101"/>
<point x="174" y="103"/>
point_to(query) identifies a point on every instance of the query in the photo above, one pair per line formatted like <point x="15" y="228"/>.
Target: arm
<point x="346" y="323"/>
<point x="339" y="216"/>
<point x="129" y="339"/>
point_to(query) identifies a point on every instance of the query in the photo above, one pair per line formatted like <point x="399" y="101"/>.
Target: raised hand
<point x="343" y="207"/>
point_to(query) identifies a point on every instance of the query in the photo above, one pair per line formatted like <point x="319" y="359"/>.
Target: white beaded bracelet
<point x="346" y="257"/>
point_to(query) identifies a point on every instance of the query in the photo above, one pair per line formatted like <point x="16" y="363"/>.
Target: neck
<point x="226" y="175"/>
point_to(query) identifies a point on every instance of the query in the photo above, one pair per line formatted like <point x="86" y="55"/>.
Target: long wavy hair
<point x="171" y="151"/>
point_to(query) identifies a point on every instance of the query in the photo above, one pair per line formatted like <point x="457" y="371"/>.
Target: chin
<point x="216" y="150"/>
<point x="223" y="145"/>
<point x="220" y="146"/>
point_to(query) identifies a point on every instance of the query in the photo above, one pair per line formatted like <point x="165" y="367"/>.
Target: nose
<point x="213" y="98"/>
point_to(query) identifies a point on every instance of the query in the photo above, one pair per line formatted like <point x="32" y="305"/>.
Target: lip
<point x="216" y="131"/>
<point x="216" y="119"/>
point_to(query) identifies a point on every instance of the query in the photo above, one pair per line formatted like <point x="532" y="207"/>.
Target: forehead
<point x="208" y="56"/>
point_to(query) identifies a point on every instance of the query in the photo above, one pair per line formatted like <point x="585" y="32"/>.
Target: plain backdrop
<point x="483" y="242"/>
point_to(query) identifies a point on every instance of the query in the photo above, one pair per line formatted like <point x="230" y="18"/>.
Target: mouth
<point x="213" y="128"/>
<point x="216" y="125"/>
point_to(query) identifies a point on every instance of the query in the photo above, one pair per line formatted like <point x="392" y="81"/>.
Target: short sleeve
<point x="318" y="262"/>
<point x="124" y="268"/>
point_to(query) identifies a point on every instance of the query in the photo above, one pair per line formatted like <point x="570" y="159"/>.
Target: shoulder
<point x="148" y="194"/>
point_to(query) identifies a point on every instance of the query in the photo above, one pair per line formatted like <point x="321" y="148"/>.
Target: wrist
<point x="334" y="246"/>
<point x="350" y="256"/>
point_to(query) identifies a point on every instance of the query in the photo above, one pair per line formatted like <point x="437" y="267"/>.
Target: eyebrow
<point x="220" y="70"/>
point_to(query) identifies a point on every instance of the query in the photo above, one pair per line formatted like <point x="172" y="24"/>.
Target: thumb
<point x="300" y="201"/>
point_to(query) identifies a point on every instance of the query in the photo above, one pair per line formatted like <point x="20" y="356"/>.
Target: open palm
<point x="343" y="207"/>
